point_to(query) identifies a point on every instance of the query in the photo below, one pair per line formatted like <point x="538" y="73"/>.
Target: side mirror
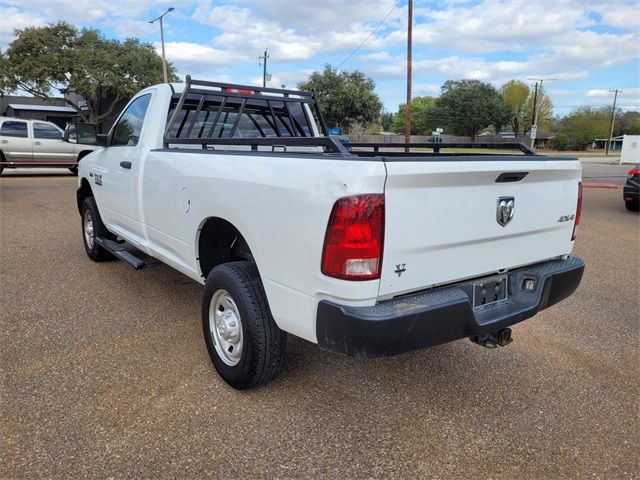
<point x="69" y="134"/>
<point x="81" y="133"/>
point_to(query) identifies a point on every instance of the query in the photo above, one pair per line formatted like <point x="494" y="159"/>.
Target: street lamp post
<point x="165" y="74"/>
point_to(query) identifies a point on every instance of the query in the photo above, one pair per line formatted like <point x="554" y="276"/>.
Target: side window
<point x="45" y="131"/>
<point x="14" y="129"/>
<point x="127" y="130"/>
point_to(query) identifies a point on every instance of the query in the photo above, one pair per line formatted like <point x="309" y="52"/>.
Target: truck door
<point x="116" y="170"/>
<point x="15" y="141"/>
<point x="48" y="145"/>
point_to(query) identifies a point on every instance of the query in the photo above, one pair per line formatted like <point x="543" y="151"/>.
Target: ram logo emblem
<point x="505" y="210"/>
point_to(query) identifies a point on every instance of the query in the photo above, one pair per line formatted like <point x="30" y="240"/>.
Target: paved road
<point x="105" y="374"/>
<point x="616" y="174"/>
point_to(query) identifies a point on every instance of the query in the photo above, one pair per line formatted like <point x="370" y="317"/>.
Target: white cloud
<point x="12" y="19"/>
<point x="186" y="53"/>
<point x="426" y="89"/>
<point x="376" y="57"/>
<point x="288" y="78"/>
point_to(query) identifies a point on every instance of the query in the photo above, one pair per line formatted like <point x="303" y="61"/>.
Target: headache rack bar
<point x="437" y="146"/>
<point x="287" y="129"/>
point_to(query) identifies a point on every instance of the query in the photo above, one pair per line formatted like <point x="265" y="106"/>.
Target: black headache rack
<point x="214" y="114"/>
<point x="404" y="149"/>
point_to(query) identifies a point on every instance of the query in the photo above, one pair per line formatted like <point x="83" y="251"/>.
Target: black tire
<point x="263" y="344"/>
<point x="94" y="251"/>
<point x="633" y="206"/>
<point x="1" y="160"/>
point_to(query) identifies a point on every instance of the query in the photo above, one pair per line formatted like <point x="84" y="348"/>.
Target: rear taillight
<point x="633" y="173"/>
<point x="353" y="242"/>
<point x="578" y="212"/>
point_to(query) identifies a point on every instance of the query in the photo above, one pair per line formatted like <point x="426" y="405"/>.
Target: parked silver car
<point x="36" y="143"/>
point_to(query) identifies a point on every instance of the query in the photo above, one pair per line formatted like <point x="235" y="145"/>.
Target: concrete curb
<point x="600" y="185"/>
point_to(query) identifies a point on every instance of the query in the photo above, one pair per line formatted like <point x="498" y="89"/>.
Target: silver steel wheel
<point x="89" y="233"/>
<point x="225" y="326"/>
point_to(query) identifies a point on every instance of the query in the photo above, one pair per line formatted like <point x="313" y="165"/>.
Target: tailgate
<point x="442" y="225"/>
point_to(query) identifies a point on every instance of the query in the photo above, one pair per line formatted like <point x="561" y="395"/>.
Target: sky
<point x="583" y="48"/>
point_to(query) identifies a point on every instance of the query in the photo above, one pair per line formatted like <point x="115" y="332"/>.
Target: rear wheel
<point x="245" y="345"/>
<point x="93" y="227"/>
<point x="1" y="160"/>
<point x="633" y="206"/>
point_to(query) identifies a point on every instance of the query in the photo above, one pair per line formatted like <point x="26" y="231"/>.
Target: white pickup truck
<point x="365" y="253"/>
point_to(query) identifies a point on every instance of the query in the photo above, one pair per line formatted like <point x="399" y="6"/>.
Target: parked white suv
<point x="36" y="143"/>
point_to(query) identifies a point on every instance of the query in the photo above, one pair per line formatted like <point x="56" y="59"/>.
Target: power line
<point x="367" y="39"/>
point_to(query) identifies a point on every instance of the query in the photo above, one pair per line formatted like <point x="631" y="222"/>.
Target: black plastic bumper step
<point x="118" y="250"/>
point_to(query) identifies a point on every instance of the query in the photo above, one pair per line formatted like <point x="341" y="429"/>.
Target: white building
<point x="630" y="152"/>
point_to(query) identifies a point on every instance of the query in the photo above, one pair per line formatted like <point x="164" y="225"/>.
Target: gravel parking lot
<point x="105" y="374"/>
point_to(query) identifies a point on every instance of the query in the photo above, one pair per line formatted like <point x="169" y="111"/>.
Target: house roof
<point x="43" y="108"/>
<point x="618" y="138"/>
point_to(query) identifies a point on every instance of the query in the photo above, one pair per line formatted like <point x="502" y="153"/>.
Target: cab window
<point x="12" y="128"/>
<point x="127" y="130"/>
<point x="45" y="131"/>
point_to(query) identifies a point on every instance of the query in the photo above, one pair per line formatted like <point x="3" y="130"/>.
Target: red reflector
<point x="239" y="90"/>
<point x="353" y="242"/>
<point x="578" y="212"/>
<point x="634" y="172"/>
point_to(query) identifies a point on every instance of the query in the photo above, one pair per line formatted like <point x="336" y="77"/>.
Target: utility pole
<point x="613" y="117"/>
<point x="536" y="107"/>
<point x="407" y="122"/>
<point x="264" y="70"/>
<point x="165" y="74"/>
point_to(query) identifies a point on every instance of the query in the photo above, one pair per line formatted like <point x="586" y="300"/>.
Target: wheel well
<point x="1" y="155"/>
<point x="83" y="192"/>
<point x="83" y="154"/>
<point x="220" y="242"/>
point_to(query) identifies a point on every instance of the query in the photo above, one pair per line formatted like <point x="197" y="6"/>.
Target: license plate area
<point x="490" y="293"/>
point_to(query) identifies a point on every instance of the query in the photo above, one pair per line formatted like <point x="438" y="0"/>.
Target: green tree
<point x="60" y="59"/>
<point x="468" y="106"/>
<point x="583" y="125"/>
<point x="516" y="95"/>
<point x="386" y="120"/>
<point x="420" y="121"/>
<point x="634" y="128"/>
<point x="520" y="99"/>
<point x="627" y="123"/>
<point x="346" y="98"/>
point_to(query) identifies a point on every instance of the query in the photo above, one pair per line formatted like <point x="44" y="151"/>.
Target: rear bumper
<point x="631" y="192"/>
<point x="441" y="315"/>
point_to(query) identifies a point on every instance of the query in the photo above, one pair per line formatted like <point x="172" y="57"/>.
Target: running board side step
<point x="118" y="251"/>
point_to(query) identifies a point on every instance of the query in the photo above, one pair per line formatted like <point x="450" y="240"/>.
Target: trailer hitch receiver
<point x="501" y="338"/>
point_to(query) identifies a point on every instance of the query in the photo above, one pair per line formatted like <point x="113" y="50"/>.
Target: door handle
<point x="126" y="165"/>
<point x="5" y="141"/>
